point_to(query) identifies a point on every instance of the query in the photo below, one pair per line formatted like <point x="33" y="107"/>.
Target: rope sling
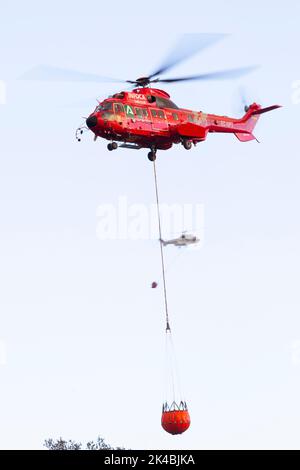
<point x="168" y="328"/>
<point x="175" y="418"/>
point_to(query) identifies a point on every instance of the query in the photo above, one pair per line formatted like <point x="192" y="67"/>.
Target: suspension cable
<point x="161" y="250"/>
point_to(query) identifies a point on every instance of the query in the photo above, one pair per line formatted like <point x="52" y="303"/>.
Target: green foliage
<point x="61" y="444"/>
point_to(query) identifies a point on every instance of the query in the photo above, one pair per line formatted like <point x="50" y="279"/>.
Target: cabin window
<point x="139" y="112"/>
<point x="165" y="103"/>
<point x="119" y="108"/>
<point x="190" y="117"/>
<point x="175" y="116"/>
<point x="158" y="113"/>
<point x="142" y="113"/>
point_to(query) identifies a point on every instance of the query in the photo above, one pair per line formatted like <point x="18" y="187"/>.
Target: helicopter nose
<point x="92" y="121"/>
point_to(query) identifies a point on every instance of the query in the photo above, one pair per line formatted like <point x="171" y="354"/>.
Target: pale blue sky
<point x="83" y="331"/>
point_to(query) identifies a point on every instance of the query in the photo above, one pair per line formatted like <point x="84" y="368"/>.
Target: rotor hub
<point x="140" y="82"/>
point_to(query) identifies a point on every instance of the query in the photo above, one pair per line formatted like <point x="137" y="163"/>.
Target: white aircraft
<point x="185" y="239"/>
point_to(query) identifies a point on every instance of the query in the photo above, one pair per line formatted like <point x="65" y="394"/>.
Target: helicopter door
<point x="159" y="122"/>
<point x="119" y="114"/>
<point x="143" y="122"/>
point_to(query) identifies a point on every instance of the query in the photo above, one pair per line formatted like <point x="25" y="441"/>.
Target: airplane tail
<point x="249" y="121"/>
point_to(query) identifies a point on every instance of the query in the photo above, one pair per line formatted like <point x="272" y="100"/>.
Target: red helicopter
<point x="145" y="117"/>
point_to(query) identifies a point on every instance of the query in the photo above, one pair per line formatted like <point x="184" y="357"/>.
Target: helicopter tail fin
<point x="250" y="120"/>
<point x="244" y="136"/>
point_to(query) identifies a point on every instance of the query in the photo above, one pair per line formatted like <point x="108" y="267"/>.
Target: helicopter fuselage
<point x="147" y="118"/>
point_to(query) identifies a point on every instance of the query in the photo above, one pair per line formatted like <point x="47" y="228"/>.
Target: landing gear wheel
<point x="112" y="146"/>
<point x="152" y="156"/>
<point x="187" y="144"/>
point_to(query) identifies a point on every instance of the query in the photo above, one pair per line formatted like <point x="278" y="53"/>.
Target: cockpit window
<point x="105" y="107"/>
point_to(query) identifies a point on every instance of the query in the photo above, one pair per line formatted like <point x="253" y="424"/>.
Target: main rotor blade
<point x="56" y="74"/>
<point x="221" y="75"/>
<point x="186" y="47"/>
